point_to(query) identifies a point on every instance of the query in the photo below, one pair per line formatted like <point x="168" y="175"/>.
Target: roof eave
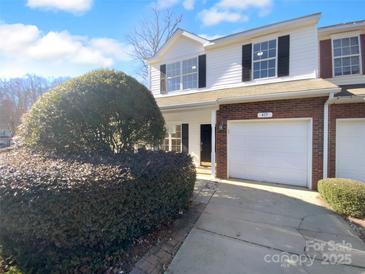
<point x="257" y="98"/>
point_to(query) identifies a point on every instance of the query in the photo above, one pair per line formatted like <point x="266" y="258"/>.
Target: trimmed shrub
<point x="345" y="196"/>
<point x="102" y="111"/>
<point x="72" y="215"/>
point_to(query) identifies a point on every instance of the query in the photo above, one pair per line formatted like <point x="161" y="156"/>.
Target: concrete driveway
<point x="259" y="228"/>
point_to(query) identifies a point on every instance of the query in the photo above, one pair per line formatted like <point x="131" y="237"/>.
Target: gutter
<point x="199" y="105"/>
<point x="254" y="98"/>
<point x="325" y="134"/>
<point x="278" y="96"/>
<point x="334" y="100"/>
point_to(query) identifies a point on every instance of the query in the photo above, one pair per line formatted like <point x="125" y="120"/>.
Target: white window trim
<point x="333" y="55"/>
<point x="170" y="137"/>
<point x="276" y="59"/>
<point x="181" y="75"/>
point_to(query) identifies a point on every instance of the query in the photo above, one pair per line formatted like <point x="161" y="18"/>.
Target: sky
<point x="54" y="38"/>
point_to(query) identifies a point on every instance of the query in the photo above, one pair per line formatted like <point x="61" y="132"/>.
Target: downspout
<point x="325" y="134"/>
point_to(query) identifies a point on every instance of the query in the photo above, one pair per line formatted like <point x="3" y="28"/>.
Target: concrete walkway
<point x="259" y="228"/>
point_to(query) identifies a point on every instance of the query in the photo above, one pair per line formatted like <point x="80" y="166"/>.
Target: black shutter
<point x="283" y="55"/>
<point x="185" y="137"/>
<point x="163" y="79"/>
<point x="202" y="71"/>
<point x="246" y="62"/>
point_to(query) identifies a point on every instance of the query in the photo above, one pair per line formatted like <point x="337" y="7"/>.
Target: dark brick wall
<point x="295" y="108"/>
<point x="325" y="58"/>
<point x="340" y="111"/>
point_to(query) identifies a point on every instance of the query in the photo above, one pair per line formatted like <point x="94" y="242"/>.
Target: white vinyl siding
<point x="194" y="118"/>
<point x="224" y="68"/>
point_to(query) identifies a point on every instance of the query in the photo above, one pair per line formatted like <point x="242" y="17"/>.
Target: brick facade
<point x="340" y="111"/>
<point x="295" y="108"/>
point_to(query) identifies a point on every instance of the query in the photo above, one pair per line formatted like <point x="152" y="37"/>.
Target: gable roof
<point x="178" y="34"/>
<point x="263" y="30"/>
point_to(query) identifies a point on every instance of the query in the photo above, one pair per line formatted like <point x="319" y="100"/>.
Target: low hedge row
<point x="345" y="196"/>
<point x="71" y="215"/>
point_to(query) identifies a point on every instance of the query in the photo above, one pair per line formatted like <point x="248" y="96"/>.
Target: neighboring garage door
<point x="270" y="150"/>
<point x="350" y="148"/>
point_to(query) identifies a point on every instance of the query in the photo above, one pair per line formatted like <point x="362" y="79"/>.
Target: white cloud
<point x="214" y="16"/>
<point x="74" y="6"/>
<point x="244" y="4"/>
<point x="164" y="4"/>
<point x="189" y="4"/>
<point x="233" y="11"/>
<point x="25" y="49"/>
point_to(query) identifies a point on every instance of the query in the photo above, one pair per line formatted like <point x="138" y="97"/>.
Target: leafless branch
<point x="150" y="35"/>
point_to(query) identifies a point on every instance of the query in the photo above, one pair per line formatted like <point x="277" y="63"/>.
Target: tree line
<point x="17" y="95"/>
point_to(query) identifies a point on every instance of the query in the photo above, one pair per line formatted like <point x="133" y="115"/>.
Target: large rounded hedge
<point x="345" y="196"/>
<point x="103" y="110"/>
<point x="73" y="215"/>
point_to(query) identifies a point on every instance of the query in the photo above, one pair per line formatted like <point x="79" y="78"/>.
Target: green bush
<point x="100" y="111"/>
<point x="345" y="196"/>
<point x="71" y="215"/>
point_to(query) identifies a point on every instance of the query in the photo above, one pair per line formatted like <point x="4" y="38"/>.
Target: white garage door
<point x="350" y="149"/>
<point x="270" y="150"/>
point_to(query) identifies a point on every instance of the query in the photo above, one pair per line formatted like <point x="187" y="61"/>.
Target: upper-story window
<point x="264" y="59"/>
<point x="182" y="75"/>
<point x="346" y="56"/>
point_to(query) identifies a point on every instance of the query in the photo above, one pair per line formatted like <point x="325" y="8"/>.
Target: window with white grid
<point x="182" y="75"/>
<point x="190" y="73"/>
<point x="346" y="56"/>
<point x="173" y="73"/>
<point x="264" y="59"/>
<point x="172" y="141"/>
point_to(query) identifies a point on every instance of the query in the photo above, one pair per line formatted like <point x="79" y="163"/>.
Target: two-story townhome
<point x="255" y="104"/>
<point x="342" y="61"/>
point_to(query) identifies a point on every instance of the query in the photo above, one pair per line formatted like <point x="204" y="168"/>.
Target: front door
<point x="205" y="144"/>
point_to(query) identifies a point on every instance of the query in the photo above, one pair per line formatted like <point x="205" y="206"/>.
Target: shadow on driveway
<point x="248" y="227"/>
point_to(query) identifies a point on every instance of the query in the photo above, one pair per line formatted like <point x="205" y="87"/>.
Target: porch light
<point x="221" y="126"/>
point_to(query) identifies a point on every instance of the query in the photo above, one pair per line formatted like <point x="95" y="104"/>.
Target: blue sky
<point x="70" y="37"/>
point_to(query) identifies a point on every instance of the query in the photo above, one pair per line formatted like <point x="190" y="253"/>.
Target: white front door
<point x="276" y="151"/>
<point x="350" y="149"/>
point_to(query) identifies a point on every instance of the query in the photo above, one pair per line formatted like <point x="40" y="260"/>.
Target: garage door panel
<point x="274" y="151"/>
<point x="276" y="144"/>
<point x="350" y="149"/>
<point x="275" y="160"/>
<point x="255" y="129"/>
<point x="279" y="175"/>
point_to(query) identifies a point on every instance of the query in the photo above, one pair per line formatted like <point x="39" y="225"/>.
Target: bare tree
<point x="17" y="95"/>
<point x="150" y="35"/>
